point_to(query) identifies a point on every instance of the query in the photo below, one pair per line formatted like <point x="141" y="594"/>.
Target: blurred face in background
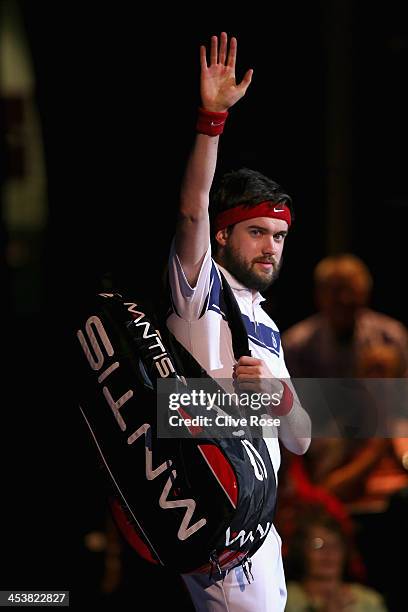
<point x="340" y="297"/>
<point x="324" y="554"/>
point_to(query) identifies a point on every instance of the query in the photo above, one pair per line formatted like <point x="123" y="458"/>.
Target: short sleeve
<point x="283" y="370"/>
<point x="189" y="302"/>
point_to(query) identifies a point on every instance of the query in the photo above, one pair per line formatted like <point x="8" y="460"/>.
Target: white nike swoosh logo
<point x="216" y="124"/>
<point x="278" y="209"/>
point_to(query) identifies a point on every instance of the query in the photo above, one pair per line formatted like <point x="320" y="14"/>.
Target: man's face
<point x="252" y="251"/>
<point x="341" y="298"/>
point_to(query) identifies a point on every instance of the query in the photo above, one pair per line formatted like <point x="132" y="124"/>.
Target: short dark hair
<point x="248" y="187"/>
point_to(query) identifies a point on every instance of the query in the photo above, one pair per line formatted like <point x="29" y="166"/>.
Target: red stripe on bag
<point x="222" y="470"/>
<point x="129" y="532"/>
<point x="193" y="429"/>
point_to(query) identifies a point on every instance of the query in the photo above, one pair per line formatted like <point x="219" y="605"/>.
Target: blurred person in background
<point x="318" y="569"/>
<point x="327" y="343"/>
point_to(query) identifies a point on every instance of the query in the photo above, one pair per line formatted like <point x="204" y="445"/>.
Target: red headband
<point x="242" y="213"/>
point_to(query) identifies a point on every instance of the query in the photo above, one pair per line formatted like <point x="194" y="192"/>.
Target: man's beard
<point x="246" y="272"/>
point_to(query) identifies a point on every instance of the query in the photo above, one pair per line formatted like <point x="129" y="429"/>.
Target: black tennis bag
<point x="191" y="504"/>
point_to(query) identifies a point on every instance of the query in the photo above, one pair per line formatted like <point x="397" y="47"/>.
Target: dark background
<point x="117" y="91"/>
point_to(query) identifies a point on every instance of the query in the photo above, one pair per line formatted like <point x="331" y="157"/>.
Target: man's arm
<point x="219" y="92"/>
<point x="346" y="479"/>
<point x="295" y="428"/>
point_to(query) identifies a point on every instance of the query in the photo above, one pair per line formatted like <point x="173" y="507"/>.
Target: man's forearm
<point x="295" y="429"/>
<point x="193" y="226"/>
<point x="198" y="176"/>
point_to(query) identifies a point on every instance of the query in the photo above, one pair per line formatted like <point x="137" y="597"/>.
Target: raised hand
<point x="219" y="90"/>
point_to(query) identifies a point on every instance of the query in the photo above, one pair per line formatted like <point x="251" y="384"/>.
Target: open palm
<point x="219" y="90"/>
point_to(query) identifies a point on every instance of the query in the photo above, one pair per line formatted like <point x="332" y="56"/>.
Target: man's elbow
<point x="298" y="446"/>
<point x="304" y="444"/>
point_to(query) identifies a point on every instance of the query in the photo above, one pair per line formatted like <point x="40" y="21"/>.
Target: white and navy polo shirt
<point x="200" y="325"/>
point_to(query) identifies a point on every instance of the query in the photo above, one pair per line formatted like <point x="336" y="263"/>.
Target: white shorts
<point x="266" y="592"/>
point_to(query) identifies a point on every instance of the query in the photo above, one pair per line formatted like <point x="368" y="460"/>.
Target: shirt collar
<point x="257" y="298"/>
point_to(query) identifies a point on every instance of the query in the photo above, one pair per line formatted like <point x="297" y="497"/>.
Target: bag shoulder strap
<point x="234" y="318"/>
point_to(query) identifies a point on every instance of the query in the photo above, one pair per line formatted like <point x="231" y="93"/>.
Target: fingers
<point x="246" y="81"/>
<point x="214" y="50"/>
<point x="232" y="55"/>
<point x="247" y="360"/>
<point x="252" y="370"/>
<point x="220" y="57"/>
<point x="203" y="57"/>
<point x="223" y="48"/>
<point x="246" y="375"/>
